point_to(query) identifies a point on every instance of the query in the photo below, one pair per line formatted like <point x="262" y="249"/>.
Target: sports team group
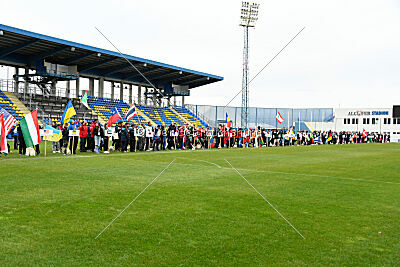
<point x="125" y="137"/>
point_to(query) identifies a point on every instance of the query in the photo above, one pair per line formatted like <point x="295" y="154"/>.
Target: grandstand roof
<point x="24" y="48"/>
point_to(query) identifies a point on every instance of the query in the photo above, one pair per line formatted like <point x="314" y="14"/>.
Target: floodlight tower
<point x="248" y="18"/>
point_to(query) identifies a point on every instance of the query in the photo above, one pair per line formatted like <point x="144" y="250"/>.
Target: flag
<point x="30" y="129"/>
<point x="9" y="120"/>
<point x="228" y="121"/>
<point x="114" y="117"/>
<point x="279" y="118"/>
<point x="364" y="134"/>
<point x="131" y="113"/>
<point x="57" y="134"/>
<point x="84" y="100"/>
<point x="317" y="139"/>
<point x="68" y="112"/>
<point x="3" y="136"/>
<point x="329" y="138"/>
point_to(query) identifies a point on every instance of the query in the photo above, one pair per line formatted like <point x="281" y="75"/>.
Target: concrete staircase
<point x="17" y="102"/>
<point x="181" y="117"/>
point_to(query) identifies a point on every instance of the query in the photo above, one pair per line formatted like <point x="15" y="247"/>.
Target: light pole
<point x="248" y="18"/>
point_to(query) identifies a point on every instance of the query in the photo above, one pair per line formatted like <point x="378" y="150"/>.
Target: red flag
<point x="279" y="118"/>
<point x="114" y="117"/>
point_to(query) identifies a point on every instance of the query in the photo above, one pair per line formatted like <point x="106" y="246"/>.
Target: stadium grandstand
<point x="43" y="63"/>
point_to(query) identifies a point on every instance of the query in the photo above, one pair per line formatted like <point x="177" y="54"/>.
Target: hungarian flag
<point x="114" y="117"/>
<point x="228" y="121"/>
<point x="279" y="118"/>
<point x="3" y="136"/>
<point x="84" y="101"/>
<point x="30" y="129"/>
<point x="9" y="120"/>
<point x="131" y="113"/>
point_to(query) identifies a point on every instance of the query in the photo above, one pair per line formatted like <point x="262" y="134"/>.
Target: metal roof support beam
<point x="167" y="78"/>
<point x="48" y="53"/>
<point x="128" y="76"/>
<point x="17" y="47"/>
<point x="194" y="81"/>
<point x="72" y="60"/>
<point x="116" y="69"/>
<point x="96" y="64"/>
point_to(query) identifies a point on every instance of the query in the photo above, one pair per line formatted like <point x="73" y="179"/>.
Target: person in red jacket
<point x="83" y="135"/>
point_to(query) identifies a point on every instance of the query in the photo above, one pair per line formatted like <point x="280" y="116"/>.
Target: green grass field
<point x="345" y="200"/>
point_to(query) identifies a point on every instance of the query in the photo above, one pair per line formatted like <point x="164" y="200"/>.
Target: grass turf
<point x="200" y="211"/>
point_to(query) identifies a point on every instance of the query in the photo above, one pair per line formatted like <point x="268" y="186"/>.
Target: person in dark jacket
<point x="124" y="137"/>
<point x="65" y="138"/>
<point x="21" y="141"/>
<point x="132" y="139"/>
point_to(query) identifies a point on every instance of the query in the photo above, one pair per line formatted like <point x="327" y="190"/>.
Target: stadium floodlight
<point x="99" y="54"/>
<point x="248" y="18"/>
<point x="145" y="64"/>
<point x="1" y="33"/>
<point x="180" y="72"/>
<point x="249" y="14"/>
<point x="72" y="49"/>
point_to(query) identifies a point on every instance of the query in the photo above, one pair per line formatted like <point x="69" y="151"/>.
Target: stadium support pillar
<point x="174" y="100"/>
<point x="121" y="91"/>
<point x="26" y="81"/>
<point x="54" y="87"/>
<point x="68" y="89"/>
<point x="139" y="95"/>
<point x="91" y="86"/>
<point x="101" y="87"/>
<point x="77" y="88"/>
<point x="169" y="101"/>
<point x="146" y="90"/>
<point x="16" y="81"/>
<point x="183" y="101"/>
<point x="154" y="98"/>
<point x="112" y="90"/>
<point x="130" y="94"/>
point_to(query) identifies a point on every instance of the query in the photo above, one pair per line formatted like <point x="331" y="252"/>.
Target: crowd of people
<point x="125" y="137"/>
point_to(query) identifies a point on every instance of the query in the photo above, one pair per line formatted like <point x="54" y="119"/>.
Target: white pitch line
<point x="200" y="160"/>
<point x="144" y="189"/>
<point x="266" y="200"/>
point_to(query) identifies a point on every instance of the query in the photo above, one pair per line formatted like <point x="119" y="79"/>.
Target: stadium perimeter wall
<point x="264" y="117"/>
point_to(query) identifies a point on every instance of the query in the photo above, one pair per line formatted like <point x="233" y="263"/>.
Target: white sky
<point x="348" y="55"/>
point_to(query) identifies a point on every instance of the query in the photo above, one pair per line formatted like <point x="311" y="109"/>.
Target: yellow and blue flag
<point x="57" y="135"/>
<point x="228" y="121"/>
<point x="68" y="112"/>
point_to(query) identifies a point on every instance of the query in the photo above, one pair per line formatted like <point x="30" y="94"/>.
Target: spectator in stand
<point x="83" y="135"/>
